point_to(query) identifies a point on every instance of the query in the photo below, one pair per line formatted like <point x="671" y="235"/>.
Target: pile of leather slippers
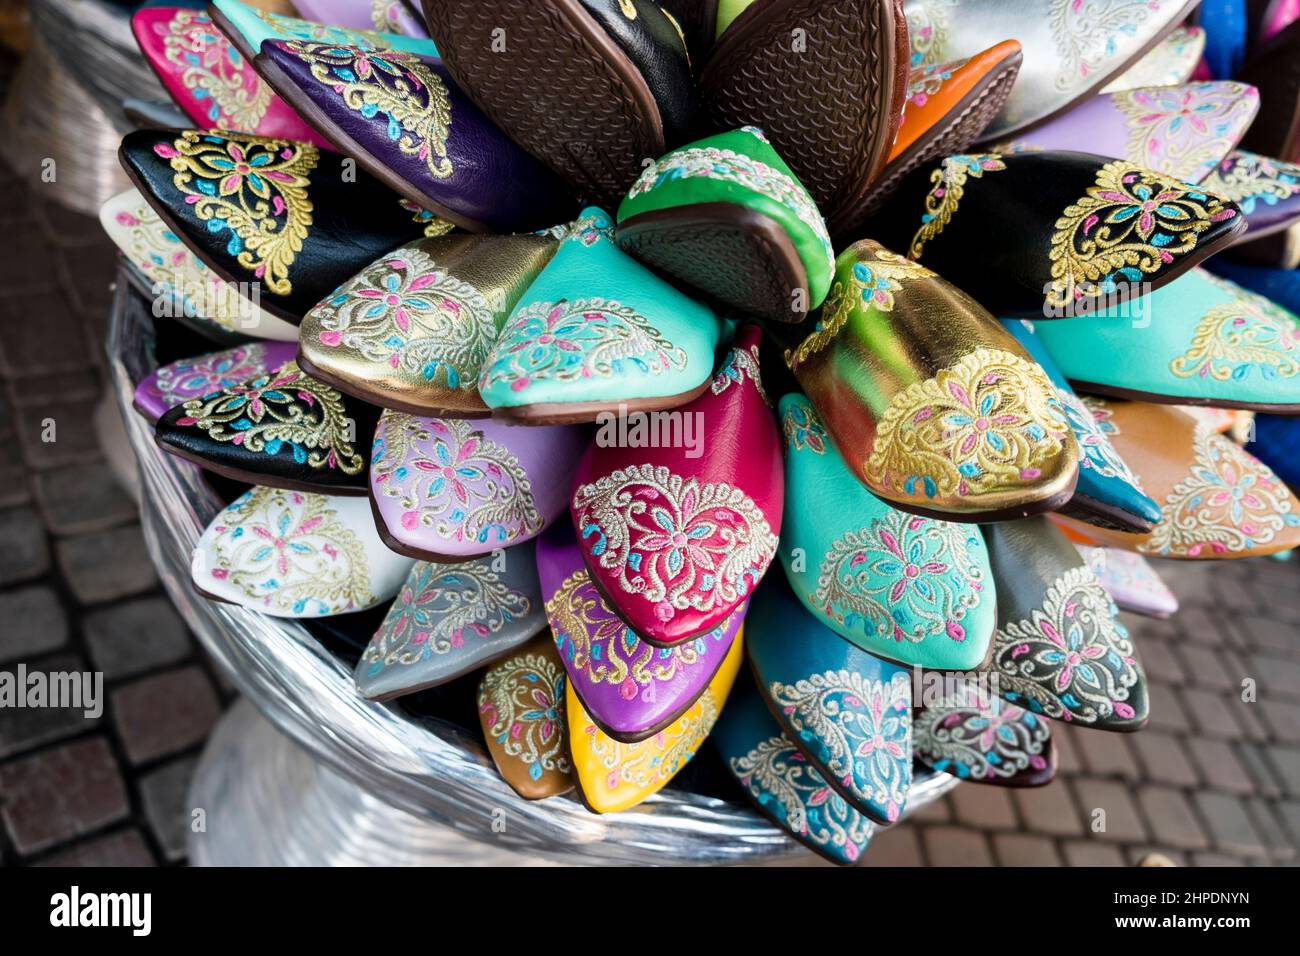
<point x="814" y="377"/>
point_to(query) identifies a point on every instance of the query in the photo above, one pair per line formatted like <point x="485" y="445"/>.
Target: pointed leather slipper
<point x="831" y="108"/>
<point x="1267" y="190"/>
<point x="390" y="16"/>
<point x="521" y="710"/>
<point x="445" y="489"/>
<point x="403" y="120"/>
<point x="998" y="743"/>
<point x="911" y="589"/>
<point x="449" y="619"/>
<point x="1130" y="581"/>
<point x="784" y="784"/>
<point x="293" y="554"/>
<point x="282" y="429"/>
<point x="726" y="216"/>
<point x="614" y="776"/>
<point x="1170" y="62"/>
<point x="1060" y="650"/>
<point x="248" y="27"/>
<point x="1057" y="234"/>
<point x="179" y="382"/>
<point x="677" y="536"/>
<point x="598" y="332"/>
<point x="632" y="690"/>
<point x="951" y="419"/>
<point x="1200" y="340"/>
<point x="271" y="215"/>
<point x="1218" y="501"/>
<point x="411" y="331"/>
<point x="850" y="712"/>
<point x="1108" y="493"/>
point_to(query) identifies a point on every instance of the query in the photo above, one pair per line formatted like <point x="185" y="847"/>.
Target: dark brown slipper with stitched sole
<point x="1102" y="515"/>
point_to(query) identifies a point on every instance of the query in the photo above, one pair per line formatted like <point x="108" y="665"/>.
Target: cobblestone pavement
<point x="1213" y="780"/>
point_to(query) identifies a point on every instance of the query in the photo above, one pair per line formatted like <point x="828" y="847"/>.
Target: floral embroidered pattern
<point x="1228" y="502"/>
<point x="449" y="477"/>
<point x="678" y="544"/>
<point x="1247" y="334"/>
<point x="745" y="171"/>
<point x="1168" y="63"/>
<point x="947" y="186"/>
<point x="213" y="70"/>
<point x="433" y="226"/>
<point x="571" y="341"/>
<point x="1091" y="433"/>
<point x="591" y="228"/>
<point x="253" y="188"/>
<point x="1250" y="180"/>
<point x="861" y="730"/>
<point x="521" y="701"/>
<point x="1088" y="33"/>
<point x="781" y="779"/>
<point x="282" y="411"/>
<point x="1184" y="130"/>
<point x="293" y="28"/>
<point x="191" y="378"/>
<point x="903" y="577"/>
<point x="407" y="313"/>
<point x="292" y="553"/>
<point x="924" y="81"/>
<point x="1132" y="222"/>
<point x="990" y="420"/>
<point x="927" y="28"/>
<point x="870" y="284"/>
<point x="803" y="429"/>
<point x="439" y="608"/>
<point x="740" y="364"/>
<point x="396" y="85"/>
<point x="981" y="744"/>
<point x="650" y="764"/>
<point x="1071" y="659"/>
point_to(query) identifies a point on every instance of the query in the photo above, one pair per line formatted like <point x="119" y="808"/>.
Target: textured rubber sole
<point x="737" y="257"/>
<point x="557" y="84"/>
<point x="831" y="109"/>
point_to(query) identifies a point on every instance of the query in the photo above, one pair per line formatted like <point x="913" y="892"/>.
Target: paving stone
<point x="61" y="793"/>
<point x="1167" y="711"/>
<point x="53" y="434"/>
<point x="1285" y="762"/>
<point x="1067" y="751"/>
<point x="25" y="728"/>
<point x="80" y="385"/>
<point x="107" y="565"/>
<point x="1091" y="853"/>
<point x="1269" y="826"/>
<point x="33" y="623"/>
<point x="25" y="555"/>
<point x="1204" y="667"/>
<point x="82" y="498"/>
<point x="163" y="714"/>
<point x="1201" y="625"/>
<point x="956" y="846"/>
<point x="13" y="479"/>
<point x="1282" y="720"/>
<point x="1050" y="810"/>
<point x="1163" y="758"/>
<point x="1247" y="716"/>
<point x="25" y="267"/>
<point x="1277" y="676"/>
<point x="986" y="807"/>
<point x="1288" y="811"/>
<point x="1019" y="849"/>
<point x="136" y="636"/>
<point x="163" y="794"/>
<point x="1215" y="860"/>
<point x="1107" y="754"/>
<point x="1262" y="776"/>
<point x="1136" y="854"/>
<point x="1159" y="661"/>
<point x="936" y="811"/>
<point x="1228" y="823"/>
<point x="895" y="846"/>
<point x="1122" y="822"/>
<point x="1266" y="634"/>
<point x="1172" y="819"/>
<point x="1218" y="765"/>
<point x="1232" y="591"/>
<point x="126" y="848"/>
<point x="1210" y="715"/>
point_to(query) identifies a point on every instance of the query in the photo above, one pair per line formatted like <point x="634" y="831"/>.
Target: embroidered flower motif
<point x="902" y="578"/>
<point x="928" y="28"/>
<point x="993" y="743"/>
<point x="591" y="228"/>
<point x="947" y="186"/>
<point x="1168" y="63"/>
<point x="989" y="421"/>
<point x="191" y="378"/>
<point x="1088" y="34"/>
<point x="449" y="477"/>
<point x="253" y="188"/>
<point x="521" y="700"/>
<point x="1184" y="130"/>
<point x="213" y="70"/>
<point x="439" y="608"/>
<point x="292" y="553"/>
<point x="295" y="29"/>
<point x="414" y="317"/>
<point x="396" y="89"/>
<point x="678" y="544"/>
<point x="1233" y="339"/>
<point x="1250" y="180"/>
<point x="433" y="226"/>
<point x="859" y="729"/>
<point x="1092" y="436"/>
<point x="1071" y="659"/>
<point x="572" y="341"/>
<point x="740" y="364"/>
<point x="924" y="81"/>
<point x="803" y="429"/>
<point x="780" y="778"/>
<point x="282" y="411"/>
<point x="1131" y="223"/>
<point x="652" y="762"/>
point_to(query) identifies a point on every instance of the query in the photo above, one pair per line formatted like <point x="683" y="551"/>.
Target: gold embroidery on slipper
<point x="1236" y="337"/>
<point x="239" y="96"/>
<point x="947" y="186"/>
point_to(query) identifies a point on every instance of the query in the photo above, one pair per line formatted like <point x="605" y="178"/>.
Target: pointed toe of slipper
<point x="1267" y="190"/>
<point x="1130" y="581"/>
<point x="1170" y="62"/>
<point x="188" y="379"/>
<point x="990" y="742"/>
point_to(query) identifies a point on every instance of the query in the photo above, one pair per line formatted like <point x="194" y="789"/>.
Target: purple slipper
<point x="178" y="382"/>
